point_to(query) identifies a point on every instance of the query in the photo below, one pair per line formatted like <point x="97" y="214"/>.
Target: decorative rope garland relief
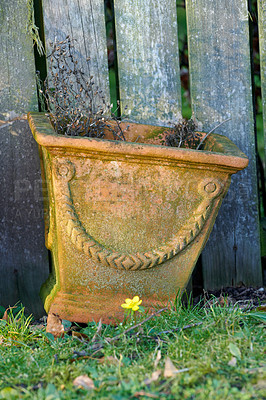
<point x="209" y="190"/>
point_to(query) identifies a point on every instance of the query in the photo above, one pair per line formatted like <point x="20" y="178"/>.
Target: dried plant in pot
<point x="124" y="217"/>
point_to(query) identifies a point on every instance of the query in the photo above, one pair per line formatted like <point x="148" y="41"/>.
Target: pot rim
<point x="228" y="155"/>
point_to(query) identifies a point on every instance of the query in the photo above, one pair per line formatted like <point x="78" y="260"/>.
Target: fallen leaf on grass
<point x="109" y="360"/>
<point x="55" y="326"/>
<point x="170" y="370"/>
<point x="254" y="370"/>
<point x="232" y="362"/>
<point x="260" y="385"/>
<point x="157" y="360"/>
<point x="234" y="350"/>
<point x="154" y="377"/>
<point x="6" y="316"/>
<point x="142" y="393"/>
<point x="9" y="393"/>
<point x="84" y="382"/>
<point x="82" y="336"/>
<point x="225" y="301"/>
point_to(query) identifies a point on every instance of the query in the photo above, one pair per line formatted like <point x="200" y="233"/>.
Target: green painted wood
<point x="148" y="63"/>
<point x="23" y="257"/>
<point x="262" y="41"/>
<point x="220" y="76"/>
<point x="84" y="21"/>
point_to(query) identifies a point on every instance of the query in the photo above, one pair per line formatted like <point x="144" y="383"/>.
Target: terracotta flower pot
<point x="125" y="219"/>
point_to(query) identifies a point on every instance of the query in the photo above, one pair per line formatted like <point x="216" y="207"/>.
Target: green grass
<point x="34" y="366"/>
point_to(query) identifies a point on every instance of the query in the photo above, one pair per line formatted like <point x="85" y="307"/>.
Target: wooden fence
<point x="149" y="84"/>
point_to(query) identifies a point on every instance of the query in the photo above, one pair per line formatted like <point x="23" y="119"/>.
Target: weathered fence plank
<point x="219" y="54"/>
<point x="148" y="62"/>
<point x="262" y="41"/>
<point x="23" y="257"/>
<point x="83" y="21"/>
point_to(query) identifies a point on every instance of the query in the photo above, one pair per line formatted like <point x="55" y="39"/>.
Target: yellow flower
<point x="132" y="304"/>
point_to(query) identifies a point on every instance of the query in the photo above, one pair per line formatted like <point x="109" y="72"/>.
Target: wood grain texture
<point x="148" y="62"/>
<point x="220" y="76"/>
<point x="84" y="21"/>
<point x="262" y="41"/>
<point x="23" y="257"/>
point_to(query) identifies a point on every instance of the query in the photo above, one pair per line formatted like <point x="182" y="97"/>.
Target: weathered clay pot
<point x="126" y="219"/>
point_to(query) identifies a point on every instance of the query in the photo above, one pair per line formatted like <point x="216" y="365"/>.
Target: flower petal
<point x="135" y="299"/>
<point x="139" y="302"/>
<point x="135" y="308"/>
<point x="128" y="301"/>
<point x="125" y="305"/>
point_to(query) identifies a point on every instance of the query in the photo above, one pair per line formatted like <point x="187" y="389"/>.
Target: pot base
<point x="77" y="307"/>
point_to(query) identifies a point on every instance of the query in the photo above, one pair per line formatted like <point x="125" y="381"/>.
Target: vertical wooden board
<point x="84" y="21"/>
<point x="262" y="41"/>
<point x="262" y="45"/>
<point x="148" y="61"/>
<point x="220" y="79"/>
<point x="23" y="257"/>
